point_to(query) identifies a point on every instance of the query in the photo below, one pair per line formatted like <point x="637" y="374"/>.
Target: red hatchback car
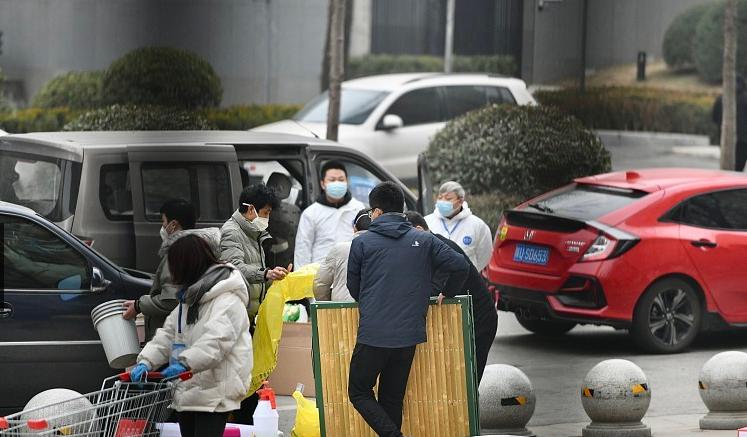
<point x="661" y="252"/>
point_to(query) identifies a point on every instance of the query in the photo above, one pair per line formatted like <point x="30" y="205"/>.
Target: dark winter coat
<point x="391" y="270"/>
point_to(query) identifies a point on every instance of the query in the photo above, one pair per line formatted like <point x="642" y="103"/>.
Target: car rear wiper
<point x="541" y="207"/>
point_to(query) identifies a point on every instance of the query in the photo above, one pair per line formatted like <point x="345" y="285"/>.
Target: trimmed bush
<point x="519" y="151"/>
<point x="36" y="120"/>
<point x="5" y="106"/>
<point x="75" y="90"/>
<point x="245" y="117"/>
<point x="708" y="43"/>
<point x="384" y="64"/>
<point x="132" y="117"/>
<point x="636" y="109"/>
<point x="162" y="76"/>
<point x="678" y="40"/>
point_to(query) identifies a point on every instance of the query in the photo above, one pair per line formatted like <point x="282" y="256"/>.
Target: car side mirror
<point x="391" y="122"/>
<point x="99" y="284"/>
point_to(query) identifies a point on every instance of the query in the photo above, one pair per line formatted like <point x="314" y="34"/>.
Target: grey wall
<point x="263" y="50"/>
<point x="617" y="31"/>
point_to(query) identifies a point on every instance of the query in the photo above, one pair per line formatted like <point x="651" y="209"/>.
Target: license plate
<point x="531" y="254"/>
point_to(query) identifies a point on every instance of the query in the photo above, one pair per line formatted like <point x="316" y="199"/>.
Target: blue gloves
<point x="137" y="374"/>
<point x="173" y="370"/>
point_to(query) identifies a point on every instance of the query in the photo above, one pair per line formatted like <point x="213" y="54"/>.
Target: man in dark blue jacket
<point x="391" y="269"/>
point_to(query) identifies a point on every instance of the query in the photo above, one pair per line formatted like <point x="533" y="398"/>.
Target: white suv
<point x="392" y="117"/>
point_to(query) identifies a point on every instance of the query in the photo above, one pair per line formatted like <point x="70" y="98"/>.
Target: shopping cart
<point x="120" y="409"/>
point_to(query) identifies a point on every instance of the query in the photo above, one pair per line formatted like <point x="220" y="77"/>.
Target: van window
<point x="38" y="183"/>
<point x="207" y="186"/>
<point x="115" y="191"/>
<point x="37" y="259"/>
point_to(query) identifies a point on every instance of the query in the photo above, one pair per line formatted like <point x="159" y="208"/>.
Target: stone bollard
<point x="506" y="400"/>
<point x="723" y="389"/>
<point x="615" y="396"/>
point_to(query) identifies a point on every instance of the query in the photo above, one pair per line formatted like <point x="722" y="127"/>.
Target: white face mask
<point x="261" y="222"/>
<point x="163" y="233"/>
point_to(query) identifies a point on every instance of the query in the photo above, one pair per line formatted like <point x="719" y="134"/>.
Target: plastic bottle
<point x="266" y="414"/>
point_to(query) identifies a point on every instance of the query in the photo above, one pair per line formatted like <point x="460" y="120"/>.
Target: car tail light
<point x="606" y="246"/>
<point x="500" y="235"/>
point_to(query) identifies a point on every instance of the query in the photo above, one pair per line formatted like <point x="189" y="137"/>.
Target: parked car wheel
<point x="548" y="328"/>
<point x="668" y="317"/>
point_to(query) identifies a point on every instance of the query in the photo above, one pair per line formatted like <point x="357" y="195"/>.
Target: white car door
<point x="397" y="149"/>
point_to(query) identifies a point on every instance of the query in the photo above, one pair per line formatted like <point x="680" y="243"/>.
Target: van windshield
<point x="36" y="182"/>
<point x="355" y="106"/>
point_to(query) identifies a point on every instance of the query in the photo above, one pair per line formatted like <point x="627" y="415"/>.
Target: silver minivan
<point x="107" y="187"/>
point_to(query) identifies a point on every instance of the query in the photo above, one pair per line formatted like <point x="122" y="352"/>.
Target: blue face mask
<point x="336" y="190"/>
<point x="445" y="207"/>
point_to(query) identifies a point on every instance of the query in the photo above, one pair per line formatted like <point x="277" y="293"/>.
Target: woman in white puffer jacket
<point x="207" y="334"/>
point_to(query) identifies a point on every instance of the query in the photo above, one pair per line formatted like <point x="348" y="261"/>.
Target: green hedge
<point x="162" y="76"/>
<point x="37" y="120"/>
<point x="75" y="90"/>
<point x="677" y="46"/>
<point x="708" y="44"/>
<point x="248" y="116"/>
<point x="516" y="150"/>
<point x="231" y="118"/>
<point x="132" y="117"/>
<point x="383" y="64"/>
<point x="636" y="109"/>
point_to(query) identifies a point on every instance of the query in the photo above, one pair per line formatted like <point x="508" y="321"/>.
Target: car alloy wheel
<point x="667" y="317"/>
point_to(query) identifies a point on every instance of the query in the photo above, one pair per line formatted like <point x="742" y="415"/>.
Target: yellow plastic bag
<point x="307" y="418"/>
<point x="296" y="286"/>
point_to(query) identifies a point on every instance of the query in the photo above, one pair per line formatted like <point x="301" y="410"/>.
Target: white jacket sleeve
<point x="157" y="352"/>
<point x="484" y="249"/>
<point x="227" y="320"/>
<point x="304" y="240"/>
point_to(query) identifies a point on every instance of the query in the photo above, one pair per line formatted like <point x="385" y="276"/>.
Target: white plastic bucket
<point x="118" y="336"/>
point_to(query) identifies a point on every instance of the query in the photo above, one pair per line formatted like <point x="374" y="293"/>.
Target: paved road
<point x="557" y="366"/>
<point x="641" y="155"/>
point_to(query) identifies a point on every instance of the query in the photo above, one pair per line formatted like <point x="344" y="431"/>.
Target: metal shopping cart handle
<point x="157" y="377"/>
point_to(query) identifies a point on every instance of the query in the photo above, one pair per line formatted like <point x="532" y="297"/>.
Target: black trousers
<point x="485" y="330"/>
<point x="197" y="424"/>
<point x="740" y="155"/>
<point x="245" y="414"/>
<point x="392" y="367"/>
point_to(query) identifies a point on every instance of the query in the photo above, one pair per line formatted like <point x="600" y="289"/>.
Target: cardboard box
<point x="294" y="361"/>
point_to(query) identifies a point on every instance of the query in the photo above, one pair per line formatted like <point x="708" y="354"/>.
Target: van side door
<point x="205" y="175"/>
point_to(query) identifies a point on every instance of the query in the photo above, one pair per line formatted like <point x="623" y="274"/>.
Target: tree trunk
<point x="449" y="43"/>
<point x="729" y="117"/>
<point x="348" y="28"/>
<point x="336" y="65"/>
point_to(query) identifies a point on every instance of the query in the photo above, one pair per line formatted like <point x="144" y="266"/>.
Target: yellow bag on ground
<point x="296" y="286"/>
<point x="307" y="418"/>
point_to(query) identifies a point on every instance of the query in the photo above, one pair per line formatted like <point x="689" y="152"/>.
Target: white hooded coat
<point x="320" y="228"/>
<point x="466" y="230"/>
<point x="218" y="349"/>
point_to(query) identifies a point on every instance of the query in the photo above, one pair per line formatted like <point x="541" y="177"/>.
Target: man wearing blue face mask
<point x="327" y="221"/>
<point x="453" y="219"/>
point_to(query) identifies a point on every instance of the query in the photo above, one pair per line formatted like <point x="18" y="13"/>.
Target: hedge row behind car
<point x="636" y="109"/>
<point x="239" y="117"/>
<point x="369" y="65"/>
